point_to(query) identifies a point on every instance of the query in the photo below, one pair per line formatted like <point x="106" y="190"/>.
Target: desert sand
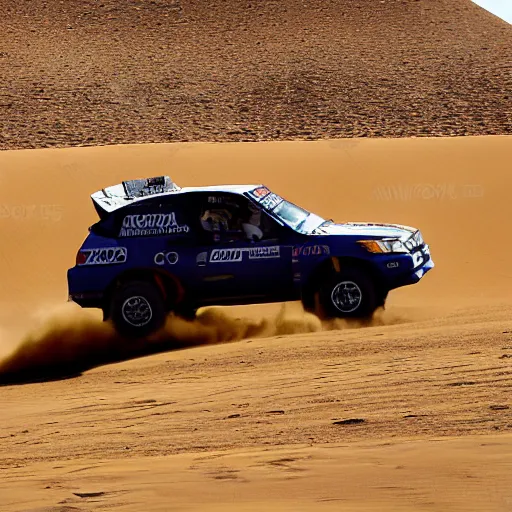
<point x="264" y="408"/>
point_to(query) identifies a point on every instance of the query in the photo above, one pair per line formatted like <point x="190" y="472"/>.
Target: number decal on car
<point x="417" y="259"/>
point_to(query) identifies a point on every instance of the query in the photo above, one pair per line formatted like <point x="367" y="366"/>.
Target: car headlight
<point x="389" y="245"/>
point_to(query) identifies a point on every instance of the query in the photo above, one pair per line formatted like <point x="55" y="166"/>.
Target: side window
<point x="230" y="217"/>
<point x="160" y="217"/>
<point x="220" y="216"/>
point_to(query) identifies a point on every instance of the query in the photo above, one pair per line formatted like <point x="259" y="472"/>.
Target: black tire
<point x="348" y="294"/>
<point x="137" y="309"/>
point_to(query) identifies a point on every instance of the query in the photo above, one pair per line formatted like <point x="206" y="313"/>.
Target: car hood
<point x="369" y="229"/>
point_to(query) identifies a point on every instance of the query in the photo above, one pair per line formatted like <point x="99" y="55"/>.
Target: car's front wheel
<point x="137" y="309"/>
<point x="348" y="294"/>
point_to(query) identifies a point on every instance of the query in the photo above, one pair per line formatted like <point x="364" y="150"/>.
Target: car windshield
<point x="297" y="218"/>
<point x="288" y="213"/>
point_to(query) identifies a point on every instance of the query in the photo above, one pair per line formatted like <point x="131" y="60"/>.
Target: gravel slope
<point x="101" y="72"/>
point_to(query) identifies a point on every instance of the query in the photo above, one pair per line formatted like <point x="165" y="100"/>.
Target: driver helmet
<point x="216" y="220"/>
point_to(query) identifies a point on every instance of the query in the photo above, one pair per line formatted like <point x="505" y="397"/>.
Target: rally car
<point x="158" y="248"/>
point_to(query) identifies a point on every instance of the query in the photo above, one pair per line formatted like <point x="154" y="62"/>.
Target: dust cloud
<point x="67" y="340"/>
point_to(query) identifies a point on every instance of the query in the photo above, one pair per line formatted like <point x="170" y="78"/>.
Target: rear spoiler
<point x="114" y="197"/>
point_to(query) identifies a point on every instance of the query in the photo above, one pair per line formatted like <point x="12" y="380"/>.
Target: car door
<point x="233" y="269"/>
<point x="160" y="233"/>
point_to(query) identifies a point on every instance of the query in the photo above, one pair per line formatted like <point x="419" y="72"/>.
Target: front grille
<point x="415" y="241"/>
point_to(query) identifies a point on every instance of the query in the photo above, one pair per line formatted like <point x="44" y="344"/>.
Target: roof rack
<point x="149" y="186"/>
<point x="115" y="197"/>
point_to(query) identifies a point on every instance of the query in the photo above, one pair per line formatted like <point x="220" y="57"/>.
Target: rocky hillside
<point x="87" y="72"/>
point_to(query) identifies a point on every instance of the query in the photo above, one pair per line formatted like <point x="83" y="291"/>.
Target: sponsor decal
<point x="420" y="257"/>
<point x="105" y="256"/>
<point x="417" y="258"/>
<point x="260" y="192"/>
<point x="166" y="257"/>
<point x="236" y="255"/>
<point x="226" y="255"/>
<point x="256" y="253"/>
<point x="270" y="201"/>
<point x="310" y="250"/>
<point x="393" y="264"/>
<point x="151" y="224"/>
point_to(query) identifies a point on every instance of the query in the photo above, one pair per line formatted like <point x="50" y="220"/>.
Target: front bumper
<point x="404" y="269"/>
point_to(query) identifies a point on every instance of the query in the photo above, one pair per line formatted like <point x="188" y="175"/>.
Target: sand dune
<point x="266" y="411"/>
<point x="83" y="72"/>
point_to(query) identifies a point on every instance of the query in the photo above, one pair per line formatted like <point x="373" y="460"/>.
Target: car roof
<point x="115" y="197"/>
<point x="236" y="189"/>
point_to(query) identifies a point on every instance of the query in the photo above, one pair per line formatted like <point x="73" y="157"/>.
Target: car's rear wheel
<point x="137" y="309"/>
<point x="350" y="293"/>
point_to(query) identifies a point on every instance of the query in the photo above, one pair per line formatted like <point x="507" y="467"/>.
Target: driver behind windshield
<point x="233" y="220"/>
<point x="251" y="223"/>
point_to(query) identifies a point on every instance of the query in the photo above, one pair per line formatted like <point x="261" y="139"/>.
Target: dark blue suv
<point x="159" y="248"/>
